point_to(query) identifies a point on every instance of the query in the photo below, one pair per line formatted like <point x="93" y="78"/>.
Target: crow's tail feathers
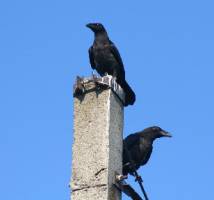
<point x="129" y="94"/>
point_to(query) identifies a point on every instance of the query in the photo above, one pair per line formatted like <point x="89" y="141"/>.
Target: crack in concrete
<point x="88" y="187"/>
<point x="102" y="169"/>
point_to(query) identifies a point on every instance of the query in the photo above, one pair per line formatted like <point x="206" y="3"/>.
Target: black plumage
<point x="138" y="148"/>
<point x="105" y="59"/>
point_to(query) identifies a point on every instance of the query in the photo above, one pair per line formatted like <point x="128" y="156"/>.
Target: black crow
<point x="105" y="58"/>
<point x="137" y="148"/>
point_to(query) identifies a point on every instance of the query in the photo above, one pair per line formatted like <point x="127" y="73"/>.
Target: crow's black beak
<point x="165" y="134"/>
<point x="90" y="25"/>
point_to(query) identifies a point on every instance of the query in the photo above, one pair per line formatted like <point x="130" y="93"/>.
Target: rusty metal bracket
<point x="121" y="184"/>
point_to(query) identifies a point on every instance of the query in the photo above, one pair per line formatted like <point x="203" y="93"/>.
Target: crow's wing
<point x="131" y="140"/>
<point x="91" y="57"/>
<point x="116" y="53"/>
<point x="129" y="147"/>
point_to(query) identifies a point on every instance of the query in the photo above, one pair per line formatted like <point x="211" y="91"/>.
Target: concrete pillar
<point x="97" y="147"/>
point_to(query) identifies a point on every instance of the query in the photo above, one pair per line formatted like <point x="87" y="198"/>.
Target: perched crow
<point x="138" y="148"/>
<point x="105" y="58"/>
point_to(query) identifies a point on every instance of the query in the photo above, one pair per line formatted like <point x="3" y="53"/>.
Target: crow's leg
<point x="95" y="80"/>
<point x="94" y="77"/>
<point x="115" y="73"/>
<point x="138" y="178"/>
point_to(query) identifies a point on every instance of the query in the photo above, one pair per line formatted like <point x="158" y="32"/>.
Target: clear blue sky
<point x="168" y="52"/>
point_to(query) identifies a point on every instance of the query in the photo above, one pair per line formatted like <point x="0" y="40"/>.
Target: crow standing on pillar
<point x="105" y="58"/>
<point x="137" y="148"/>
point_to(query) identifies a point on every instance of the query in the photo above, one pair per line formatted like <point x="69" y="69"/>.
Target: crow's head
<point x="96" y="27"/>
<point x="156" y="132"/>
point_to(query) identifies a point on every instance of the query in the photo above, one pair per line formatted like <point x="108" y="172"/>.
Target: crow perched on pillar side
<point x="138" y="148"/>
<point x="105" y="58"/>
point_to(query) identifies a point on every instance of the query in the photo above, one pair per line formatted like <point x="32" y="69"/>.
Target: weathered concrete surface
<point x="97" y="148"/>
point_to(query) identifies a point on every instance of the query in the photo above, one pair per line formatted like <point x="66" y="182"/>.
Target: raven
<point x="137" y="148"/>
<point x="105" y="58"/>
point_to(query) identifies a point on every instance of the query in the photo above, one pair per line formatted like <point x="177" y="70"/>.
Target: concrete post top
<point x="87" y="84"/>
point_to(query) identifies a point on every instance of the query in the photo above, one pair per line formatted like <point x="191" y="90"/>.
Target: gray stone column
<point x="97" y="147"/>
